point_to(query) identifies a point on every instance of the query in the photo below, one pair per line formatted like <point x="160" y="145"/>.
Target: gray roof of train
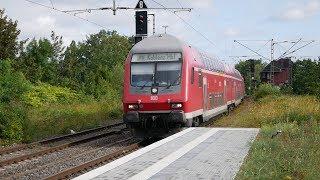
<point x="159" y="43"/>
<point x="164" y="43"/>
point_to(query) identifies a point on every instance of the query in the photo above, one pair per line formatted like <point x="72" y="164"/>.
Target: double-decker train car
<point x="169" y="83"/>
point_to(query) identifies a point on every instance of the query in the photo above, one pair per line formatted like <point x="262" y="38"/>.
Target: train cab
<point x="168" y="84"/>
<point x="154" y="94"/>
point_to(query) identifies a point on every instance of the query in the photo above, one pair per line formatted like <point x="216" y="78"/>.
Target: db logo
<point x="154" y="98"/>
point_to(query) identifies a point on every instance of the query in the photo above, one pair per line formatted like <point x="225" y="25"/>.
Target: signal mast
<point x="141" y="15"/>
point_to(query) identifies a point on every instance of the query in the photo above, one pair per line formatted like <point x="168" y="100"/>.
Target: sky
<point x="211" y="26"/>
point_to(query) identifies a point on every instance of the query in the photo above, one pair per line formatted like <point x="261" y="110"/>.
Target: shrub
<point x="266" y="90"/>
<point x="43" y="94"/>
<point x="60" y="118"/>
<point x="286" y="89"/>
<point x="13" y="119"/>
<point x="12" y="112"/>
<point x="273" y="110"/>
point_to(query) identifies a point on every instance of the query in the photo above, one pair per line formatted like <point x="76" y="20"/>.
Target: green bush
<point x="286" y="89"/>
<point x="43" y="94"/>
<point x="12" y="124"/>
<point x="12" y="112"/>
<point x="12" y="84"/>
<point x="265" y="90"/>
<point x="306" y="77"/>
<point x="61" y="118"/>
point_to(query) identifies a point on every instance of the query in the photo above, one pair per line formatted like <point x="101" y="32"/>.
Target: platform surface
<point x="194" y="153"/>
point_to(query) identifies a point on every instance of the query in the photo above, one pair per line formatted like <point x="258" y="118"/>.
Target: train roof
<point x="159" y="43"/>
<point x="212" y="63"/>
<point x="168" y="43"/>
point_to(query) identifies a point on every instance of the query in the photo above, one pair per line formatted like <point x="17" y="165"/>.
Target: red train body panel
<point x="168" y="82"/>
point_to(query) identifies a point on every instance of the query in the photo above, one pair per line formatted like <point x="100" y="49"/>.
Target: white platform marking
<point x="157" y="167"/>
<point x="101" y="170"/>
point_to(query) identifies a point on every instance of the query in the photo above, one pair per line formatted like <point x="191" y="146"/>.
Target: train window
<point x="142" y="74"/>
<point x="168" y="74"/>
<point x="200" y="82"/>
<point x="192" y="75"/>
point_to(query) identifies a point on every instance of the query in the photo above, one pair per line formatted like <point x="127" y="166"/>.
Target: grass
<point x="293" y="154"/>
<point x="60" y="119"/>
<point x="44" y="110"/>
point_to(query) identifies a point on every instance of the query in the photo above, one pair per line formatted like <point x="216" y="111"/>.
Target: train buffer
<point x="194" y="153"/>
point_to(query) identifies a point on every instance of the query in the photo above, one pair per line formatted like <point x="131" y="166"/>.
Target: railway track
<point x="65" y="160"/>
<point x="76" y="163"/>
<point x="93" y="142"/>
<point x="55" y="148"/>
<point x="55" y="139"/>
<point x="93" y="163"/>
<point x="13" y="155"/>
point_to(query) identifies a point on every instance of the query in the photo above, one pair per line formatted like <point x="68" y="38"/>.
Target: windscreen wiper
<point x="145" y="84"/>
<point x="174" y="82"/>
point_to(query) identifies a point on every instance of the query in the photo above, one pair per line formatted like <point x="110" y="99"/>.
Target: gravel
<point x="82" y="158"/>
<point x="42" y="147"/>
<point x="34" y="163"/>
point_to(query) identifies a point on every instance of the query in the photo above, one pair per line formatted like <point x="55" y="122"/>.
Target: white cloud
<point x="36" y="21"/>
<point x="300" y="12"/>
<point x="46" y="21"/>
<point x="201" y="3"/>
<point x="231" y="32"/>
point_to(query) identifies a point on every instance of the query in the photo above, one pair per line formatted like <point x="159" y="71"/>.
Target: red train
<point x="169" y="83"/>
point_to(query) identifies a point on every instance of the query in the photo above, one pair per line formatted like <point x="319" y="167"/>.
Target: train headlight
<point x="176" y="105"/>
<point x="133" y="106"/>
<point x="154" y="90"/>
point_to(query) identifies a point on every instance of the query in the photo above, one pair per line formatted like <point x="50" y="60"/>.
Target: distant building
<point x="282" y="72"/>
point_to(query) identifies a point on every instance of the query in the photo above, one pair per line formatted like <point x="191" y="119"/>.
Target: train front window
<point x="156" y="69"/>
<point x="168" y="74"/>
<point x="142" y="74"/>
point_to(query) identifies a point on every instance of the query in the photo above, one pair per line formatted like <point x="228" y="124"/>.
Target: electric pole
<point x="141" y="15"/>
<point x="272" y="52"/>
<point x="272" y="62"/>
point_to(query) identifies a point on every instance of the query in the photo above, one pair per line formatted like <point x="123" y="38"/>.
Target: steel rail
<point x="56" y="148"/>
<point x="23" y="174"/>
<point x="88" y="165"/>
<point x="55" y="139"/>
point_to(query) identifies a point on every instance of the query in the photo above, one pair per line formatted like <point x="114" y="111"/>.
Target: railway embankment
<point x="288" y="144"/>
<point x="35" y="111"/>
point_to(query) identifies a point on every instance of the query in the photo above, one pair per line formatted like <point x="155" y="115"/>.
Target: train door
<point x="236" y="90"/>
<point x="225" y="91"/>
<point x="205" y="94"/>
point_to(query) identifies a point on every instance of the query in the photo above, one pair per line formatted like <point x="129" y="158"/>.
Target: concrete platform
<point x="194" y="153"/>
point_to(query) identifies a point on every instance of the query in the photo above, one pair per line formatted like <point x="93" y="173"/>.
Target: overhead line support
<point x="250" y="49"/>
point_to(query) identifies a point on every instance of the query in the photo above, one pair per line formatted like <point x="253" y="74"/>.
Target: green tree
<point x="306" y="77"/>
<point x="244" y="68"/>
<point x="12" y="112"/>
<point x="96" y="65"/>
<point x="8" y="37"/>
<point x="39" y="61"/>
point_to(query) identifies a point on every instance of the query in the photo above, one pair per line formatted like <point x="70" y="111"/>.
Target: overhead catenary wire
<point x="55" y="9"/>
<point x="255" y="52"/>
<point x="179" y="3"/>
<point x="264" y="45"/>
<point x="52" y="4"/>
<point x="188" y="24"/>
<point x="257" y="40"/>
<point x="287" y="51"/>
<point x="300" y="48"/>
